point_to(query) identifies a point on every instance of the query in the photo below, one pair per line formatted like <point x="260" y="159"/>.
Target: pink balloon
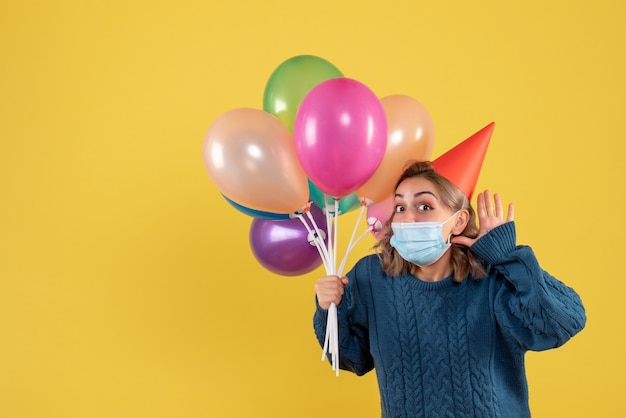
<point x="378" y="214"/>
<point x="340" y="135"/>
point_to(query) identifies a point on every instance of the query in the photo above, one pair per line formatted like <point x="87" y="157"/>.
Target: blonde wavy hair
<point x="464" y="261"/>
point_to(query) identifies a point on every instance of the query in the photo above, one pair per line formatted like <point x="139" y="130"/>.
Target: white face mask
<point x="420" y="243"/>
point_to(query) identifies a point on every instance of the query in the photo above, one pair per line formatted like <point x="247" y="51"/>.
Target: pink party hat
<point x="461" y="164"/>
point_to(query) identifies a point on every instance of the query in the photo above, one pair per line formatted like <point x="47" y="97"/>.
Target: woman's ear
<point x="461" y="222"/>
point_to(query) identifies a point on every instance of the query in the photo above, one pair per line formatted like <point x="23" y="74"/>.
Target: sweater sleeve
<point x="354" y="352"/>
<point x="532" y="308"/>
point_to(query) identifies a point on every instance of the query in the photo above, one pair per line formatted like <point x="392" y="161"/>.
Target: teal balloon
<point x="346" y="203"/>
<point x="291" y="81"/>
<point x="257" y="213"/>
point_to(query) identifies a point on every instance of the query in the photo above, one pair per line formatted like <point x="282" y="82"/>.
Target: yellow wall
<point x="127" y="284"/>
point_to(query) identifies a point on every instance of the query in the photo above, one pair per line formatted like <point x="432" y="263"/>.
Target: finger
<point x="462" y="240"/>
<point x="337" y="295"/>
<point x="498" y="203"/>
<point x="488" y="204"/>
<point x="328" y="282"/>
<point x="328" y="279"/>
<point x="480" y="206"/>
<point x="332" y="288"/>
<point x="327" y="296"/>
<point x="511" y="213"/>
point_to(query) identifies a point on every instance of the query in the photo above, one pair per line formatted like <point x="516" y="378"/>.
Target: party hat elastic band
<point x="461" y="164"/>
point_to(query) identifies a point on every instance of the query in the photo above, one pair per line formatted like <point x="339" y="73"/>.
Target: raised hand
<point x="490" y="215"/>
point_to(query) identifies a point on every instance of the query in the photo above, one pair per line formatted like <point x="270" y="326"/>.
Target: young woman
<point x="446" y="309"/>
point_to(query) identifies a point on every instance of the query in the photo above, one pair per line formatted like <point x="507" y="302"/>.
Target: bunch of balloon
<point x="322" y="146"/>
<point x="340" y="136"/>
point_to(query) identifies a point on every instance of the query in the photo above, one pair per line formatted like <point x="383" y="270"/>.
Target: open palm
<point x="490" y="215"/>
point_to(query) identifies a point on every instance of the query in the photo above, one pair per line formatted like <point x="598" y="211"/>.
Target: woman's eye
<point x="423" y="207"/>
<point x="399" y="208"/>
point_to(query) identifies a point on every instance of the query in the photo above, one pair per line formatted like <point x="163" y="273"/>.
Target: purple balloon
<point x="282" y="246"/>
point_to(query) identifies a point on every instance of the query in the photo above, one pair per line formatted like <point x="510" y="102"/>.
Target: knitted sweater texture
<point x="448" y="349"/>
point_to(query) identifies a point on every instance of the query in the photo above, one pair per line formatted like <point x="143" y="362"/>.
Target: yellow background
<point x="127" y="284"/>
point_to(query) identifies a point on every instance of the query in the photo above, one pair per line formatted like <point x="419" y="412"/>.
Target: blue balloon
<point x="256" y="213"/>
<point x="346" y="203"/>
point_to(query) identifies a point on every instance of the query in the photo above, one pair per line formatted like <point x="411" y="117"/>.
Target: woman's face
<point x="417" y="200"/>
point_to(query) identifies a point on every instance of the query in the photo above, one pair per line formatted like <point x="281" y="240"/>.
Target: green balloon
<point x="291" y="81"/>
<point x="346" y="203"/>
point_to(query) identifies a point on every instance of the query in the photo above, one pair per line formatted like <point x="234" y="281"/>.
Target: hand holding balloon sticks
<point x="329" y="256"/>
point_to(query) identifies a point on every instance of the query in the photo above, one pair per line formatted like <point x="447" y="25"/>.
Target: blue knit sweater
<point x="449" y="349"/>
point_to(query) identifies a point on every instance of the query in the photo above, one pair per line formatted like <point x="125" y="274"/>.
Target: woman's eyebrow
<point x="418" y="194"/>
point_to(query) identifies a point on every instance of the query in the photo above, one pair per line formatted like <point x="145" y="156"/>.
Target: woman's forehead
<point x="414" y="185"/>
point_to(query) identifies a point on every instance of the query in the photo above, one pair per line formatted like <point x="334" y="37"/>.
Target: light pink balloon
<point x="378" y="214"/>
<point x="250" y="156"/>
<point x="340" y="135"/>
